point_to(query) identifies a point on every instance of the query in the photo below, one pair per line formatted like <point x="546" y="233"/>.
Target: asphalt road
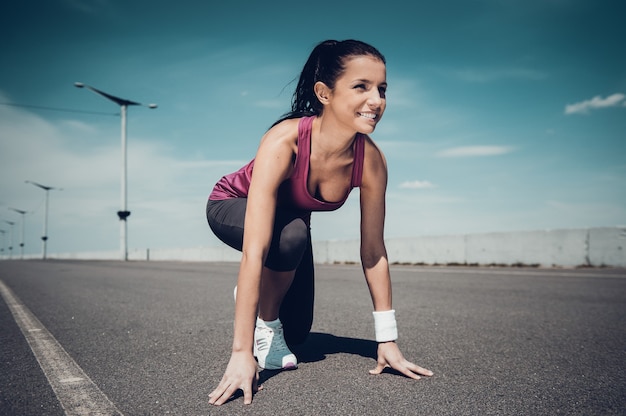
<point x="154" y="339"/>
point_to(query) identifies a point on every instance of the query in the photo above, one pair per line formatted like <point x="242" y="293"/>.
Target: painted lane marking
<point x="76" y="392"/>
<point x="71" y="380"/>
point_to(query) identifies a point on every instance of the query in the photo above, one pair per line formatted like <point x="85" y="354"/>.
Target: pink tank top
<point x="293" y="192"/>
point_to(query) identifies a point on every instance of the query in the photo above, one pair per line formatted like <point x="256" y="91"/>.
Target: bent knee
<point x="288" y="246"/>
<point x="294" y="238"/>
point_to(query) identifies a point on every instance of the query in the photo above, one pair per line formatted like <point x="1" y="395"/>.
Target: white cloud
<point x="272" y="104"/>
<point x="472" y="151"/>
<point x="417" y="184"/>
<point x="166" y="192"/>
<point x="583" y="107"/>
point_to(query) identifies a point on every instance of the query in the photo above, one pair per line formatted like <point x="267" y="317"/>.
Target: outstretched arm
<point x="375" y="263"/>
<point x="272" y="165"/>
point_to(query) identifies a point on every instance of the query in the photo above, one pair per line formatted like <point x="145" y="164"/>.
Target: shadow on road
<point x="317" y="347"/>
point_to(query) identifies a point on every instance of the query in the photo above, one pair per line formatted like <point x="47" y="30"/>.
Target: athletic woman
<point x="307" y="161"/>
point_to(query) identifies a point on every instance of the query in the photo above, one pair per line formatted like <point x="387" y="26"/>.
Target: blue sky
<point x="502" y="115"/>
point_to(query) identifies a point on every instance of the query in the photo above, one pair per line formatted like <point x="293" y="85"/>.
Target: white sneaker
<point x="270" y="347"/>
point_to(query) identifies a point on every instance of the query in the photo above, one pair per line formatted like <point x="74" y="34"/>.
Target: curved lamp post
<point x="19" y="211"/>
<point x="123" y="213"/>
<point x="44" y="238"/>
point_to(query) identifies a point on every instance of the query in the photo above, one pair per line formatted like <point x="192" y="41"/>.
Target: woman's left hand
<point x="389" y="355"/>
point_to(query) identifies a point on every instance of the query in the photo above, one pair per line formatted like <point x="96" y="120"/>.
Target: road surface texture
<point x="153" y="338"/>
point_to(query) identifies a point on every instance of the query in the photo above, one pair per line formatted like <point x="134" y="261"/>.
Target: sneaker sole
<point x="287" y="367"/>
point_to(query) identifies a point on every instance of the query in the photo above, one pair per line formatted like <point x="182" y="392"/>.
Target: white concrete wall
<point x="562" y="248"/>
<point x="207" y="254"/>
<point x="546" y="248"/>
<point x="428" y="250"/>
<point x="81" y="255"/>
<point x="607" y="247"/>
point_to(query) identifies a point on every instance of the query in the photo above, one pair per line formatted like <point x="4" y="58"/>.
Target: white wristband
<point x="385" y="326"/>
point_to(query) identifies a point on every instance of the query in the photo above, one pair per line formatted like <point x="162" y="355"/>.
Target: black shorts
<point x="290" y="249"/>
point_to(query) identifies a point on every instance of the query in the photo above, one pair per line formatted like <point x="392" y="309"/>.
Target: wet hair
<point x="326" y="63"/>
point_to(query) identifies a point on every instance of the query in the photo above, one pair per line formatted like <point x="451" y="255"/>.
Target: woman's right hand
<point x="241" y="374"/>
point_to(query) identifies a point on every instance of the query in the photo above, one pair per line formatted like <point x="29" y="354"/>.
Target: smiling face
<point x="358" y="97"/>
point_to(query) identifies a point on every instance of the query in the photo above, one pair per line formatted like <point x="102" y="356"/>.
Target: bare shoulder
<point x="284" y="133"/>
<point x="374" y="157"/>
<point x="276" y="152"/>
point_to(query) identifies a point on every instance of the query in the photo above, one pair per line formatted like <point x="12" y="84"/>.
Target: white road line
<point x="77" y="393"/>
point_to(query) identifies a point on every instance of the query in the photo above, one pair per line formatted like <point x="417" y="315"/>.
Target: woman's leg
<point x="274" y="286"/>
<point x="291" y="243"/>
<point x="296" y="310"/>
<point x="291" y="240"/>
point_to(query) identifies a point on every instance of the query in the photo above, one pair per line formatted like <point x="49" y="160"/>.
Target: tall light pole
<point x="11" y="223"/>
<point x="19" y="211"/>
<point x="44" y="238"/>
<point x="4" y="241"/>
<point x="123" y="213"/>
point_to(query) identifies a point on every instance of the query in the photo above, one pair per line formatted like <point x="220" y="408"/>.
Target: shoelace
<point x="277" y="338"/>
<point x="281" y="346"/>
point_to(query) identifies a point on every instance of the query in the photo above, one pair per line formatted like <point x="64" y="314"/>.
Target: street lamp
<point x="123" y="213"/>
<point x="4" y="242"/>
<point x="11" y="223"/>
<point x="19" y="211"/>
<point x="44" y="238"/>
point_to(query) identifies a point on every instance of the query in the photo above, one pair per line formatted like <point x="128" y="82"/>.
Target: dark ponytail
<point x="326" y="63"/>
